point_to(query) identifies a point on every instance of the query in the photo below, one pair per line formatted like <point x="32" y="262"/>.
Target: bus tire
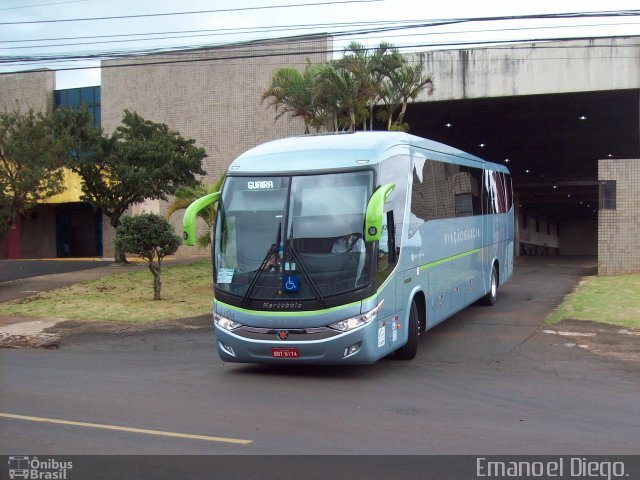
<point x="410" y="349"/>
<point x="490" y="298"/>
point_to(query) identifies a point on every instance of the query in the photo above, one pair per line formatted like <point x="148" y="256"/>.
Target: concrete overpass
<point x="551" y="111"/>
<point x="542" y="68"/>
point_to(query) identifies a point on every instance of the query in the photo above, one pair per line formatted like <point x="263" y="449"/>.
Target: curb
<point x="43" y="333"/>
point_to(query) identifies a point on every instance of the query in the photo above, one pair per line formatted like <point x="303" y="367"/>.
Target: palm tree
<point x="185" y="196"/>
<point x="356" y="60"/>
<point x="337" y="90"/>
<point x="370" y="67"/>
<point x="292" y="92"/>
<point x="344" y="93"/>
<point x="403" y="84"/>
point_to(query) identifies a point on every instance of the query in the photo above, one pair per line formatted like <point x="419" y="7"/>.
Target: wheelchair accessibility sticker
<point x="291" y="283"/>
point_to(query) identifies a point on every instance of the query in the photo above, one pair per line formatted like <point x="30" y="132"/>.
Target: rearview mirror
<point x="189" y="219"/>
<point x="375" y="211"/>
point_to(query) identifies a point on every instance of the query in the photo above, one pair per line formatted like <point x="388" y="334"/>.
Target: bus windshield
<point x="293" y="237"/>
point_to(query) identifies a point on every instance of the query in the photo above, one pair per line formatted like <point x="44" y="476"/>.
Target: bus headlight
<point x="225" y="323"/>
<point x="357" y="321"/>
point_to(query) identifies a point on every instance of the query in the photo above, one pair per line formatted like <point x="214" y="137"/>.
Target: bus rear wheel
<point x="410" y="349"/>
<point x="491" y="297"/>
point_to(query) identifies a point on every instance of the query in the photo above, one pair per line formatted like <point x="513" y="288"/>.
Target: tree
<point x="30" y="164"/>
<point x="151" y="237"/>
<point x="185" y="196"/>
<point x="403" y="84"/>
<point x="292" y="92"/>
<point x="342" y="94"/>
<point x="142" y="160"/>
<point x="337" y="89"/>
<point x="370" y="67"/>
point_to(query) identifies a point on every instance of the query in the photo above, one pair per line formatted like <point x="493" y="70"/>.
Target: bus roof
<point x="337" y="151"/>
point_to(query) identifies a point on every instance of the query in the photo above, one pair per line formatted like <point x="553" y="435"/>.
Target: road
<point x="23" y="278"/>
<point x="487" y="381"/>
<point x="11" y="270"/>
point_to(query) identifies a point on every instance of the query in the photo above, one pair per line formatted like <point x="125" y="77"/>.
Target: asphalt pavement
<point x="487" y="381"/>
<point x="11" y="270"/>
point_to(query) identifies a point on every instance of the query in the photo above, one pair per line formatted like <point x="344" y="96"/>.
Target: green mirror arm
<point x="190" y="216"/>
<point x="375" y="212"/>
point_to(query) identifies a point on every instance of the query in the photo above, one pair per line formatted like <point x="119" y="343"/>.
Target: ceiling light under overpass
<point x="582" y="117"/>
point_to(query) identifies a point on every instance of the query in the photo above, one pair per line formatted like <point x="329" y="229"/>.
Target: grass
<point x="613" y="300"/>
<point x="128" y="297"/>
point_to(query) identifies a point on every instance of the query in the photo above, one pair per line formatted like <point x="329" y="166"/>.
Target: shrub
<point x="151" y="237"/>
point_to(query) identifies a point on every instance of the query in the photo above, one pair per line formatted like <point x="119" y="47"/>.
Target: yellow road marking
<point x="127" y="429"/>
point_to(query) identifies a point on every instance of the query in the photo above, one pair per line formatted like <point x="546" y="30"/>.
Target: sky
<point x="20" y="42"/>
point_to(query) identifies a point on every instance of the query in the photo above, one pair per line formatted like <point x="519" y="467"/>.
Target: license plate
<point x="285" y="353"/>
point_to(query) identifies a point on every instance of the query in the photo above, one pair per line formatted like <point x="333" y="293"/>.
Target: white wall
<point x="534" y="68"/>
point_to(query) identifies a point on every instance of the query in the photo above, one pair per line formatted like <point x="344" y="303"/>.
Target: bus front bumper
<point x="363" y="345"/>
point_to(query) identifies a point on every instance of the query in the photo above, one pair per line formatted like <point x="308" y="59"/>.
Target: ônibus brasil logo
<point x="37" y="469"/>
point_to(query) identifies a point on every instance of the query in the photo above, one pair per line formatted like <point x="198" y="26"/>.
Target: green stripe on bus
<point x="308" y="313"/>
<point x="304" y="313"/>
<point x="448" y="259"/>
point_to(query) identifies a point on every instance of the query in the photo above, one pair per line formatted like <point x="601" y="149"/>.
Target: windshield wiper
<point x="254" y="280"/>
<point x="309" y="278"/>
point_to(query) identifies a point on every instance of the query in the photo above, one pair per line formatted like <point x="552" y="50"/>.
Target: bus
<point x="344" y="248"/>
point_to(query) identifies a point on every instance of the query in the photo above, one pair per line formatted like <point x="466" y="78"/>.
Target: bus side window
<point x="387" y="253"/>
<point x="383" y="246"/>
<point x="391" y="238"/>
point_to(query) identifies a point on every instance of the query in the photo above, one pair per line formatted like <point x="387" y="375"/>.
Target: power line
<point x="215" y="33"/>
<point x="494" y="45"/>
<point x="341" y="33"/>
<point x="275" y="54"/>
<point x="44" y="4"/>
<point x="385" y="28"/>
<point x="221" y="10"/>
<point x="345" y="33"/>
<point x="515" y="29"/>
<point x="246" y="30"/>
<point x="603" y="13"/>
<point x="435" y="23"/>
<point x="196" y="33"/>
<point x="22" y="60"/>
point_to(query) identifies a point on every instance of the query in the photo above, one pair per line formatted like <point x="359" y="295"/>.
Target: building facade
<point x="619" y="217"/>
<point x="214" y="95"/>
<point x="62" y="225"/>
<point x="211" y="95"/>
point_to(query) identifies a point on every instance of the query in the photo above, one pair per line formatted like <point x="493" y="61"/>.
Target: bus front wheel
<point x="490" y="298"/>
<point x="410" y="349"/>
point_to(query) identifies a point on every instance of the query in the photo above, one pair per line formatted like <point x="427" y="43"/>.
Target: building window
<point x="86" y="96"/>
<point x="75" y="98"/>
<point x="608" y="195"/>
